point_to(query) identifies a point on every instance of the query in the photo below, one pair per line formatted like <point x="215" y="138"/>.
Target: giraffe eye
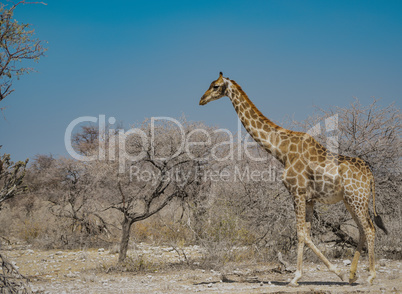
<point x="216" y="86"/>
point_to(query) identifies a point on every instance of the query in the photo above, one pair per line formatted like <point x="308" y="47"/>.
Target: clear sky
<point x="138" y="59"/>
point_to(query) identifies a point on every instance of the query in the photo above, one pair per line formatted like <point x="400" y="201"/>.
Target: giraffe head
<point x="216" y="90"/>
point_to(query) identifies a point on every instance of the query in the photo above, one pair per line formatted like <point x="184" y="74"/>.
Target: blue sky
<point x="138" y="59"/>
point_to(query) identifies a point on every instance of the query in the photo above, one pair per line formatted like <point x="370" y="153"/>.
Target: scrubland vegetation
<point x="195" y="197"/>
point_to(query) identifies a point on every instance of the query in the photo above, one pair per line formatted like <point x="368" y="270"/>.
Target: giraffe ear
<point x="220" y="74"/>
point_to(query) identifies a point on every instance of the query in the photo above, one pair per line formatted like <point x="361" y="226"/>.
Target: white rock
<point x="347" y="262"/>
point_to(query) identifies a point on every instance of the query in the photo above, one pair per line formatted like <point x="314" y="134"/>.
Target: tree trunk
<point x="125" y="237"/>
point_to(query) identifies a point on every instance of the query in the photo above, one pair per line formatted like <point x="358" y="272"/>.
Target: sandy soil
<point x="91" y="271"/>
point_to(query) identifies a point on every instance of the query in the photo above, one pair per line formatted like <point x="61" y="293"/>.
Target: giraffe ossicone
<point x="311" y="173"/>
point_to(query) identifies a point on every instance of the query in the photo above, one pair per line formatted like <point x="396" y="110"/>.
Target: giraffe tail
<point x="377" y="218"/>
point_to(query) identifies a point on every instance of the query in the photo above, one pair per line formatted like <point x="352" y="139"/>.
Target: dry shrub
<point x="224" y="238"/>
<point x="135" y="263"/>
<point x="141" y="231"/>
<point x="138" y="264"/>
<point x="167" y="227"/>
<point x="29" y="230"/>
<point x="167" y="232"/>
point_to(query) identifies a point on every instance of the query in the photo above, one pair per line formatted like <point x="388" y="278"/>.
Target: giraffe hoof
<point x="370" y="280"/>
<point x="353" y="279"/>
<point x="293" y="284"/>
<point x="341" y="275"/>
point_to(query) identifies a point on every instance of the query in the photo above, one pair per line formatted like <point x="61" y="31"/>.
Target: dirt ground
<point x="91" y="271"/>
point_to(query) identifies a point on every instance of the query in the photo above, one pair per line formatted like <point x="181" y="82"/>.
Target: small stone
<point x="383" y="262"/>
<point x="59" y="253"/>
<point x="347" y="262"/>
<point x="210" y="285"/>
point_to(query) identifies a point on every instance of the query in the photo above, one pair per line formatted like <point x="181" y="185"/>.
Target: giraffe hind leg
<point x="369" y="231"/>
<point x="365" y="224"/>
<point x="353" y="268"/>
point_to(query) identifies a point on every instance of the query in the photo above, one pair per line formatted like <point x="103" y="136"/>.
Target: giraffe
<point x="311" y="174"/>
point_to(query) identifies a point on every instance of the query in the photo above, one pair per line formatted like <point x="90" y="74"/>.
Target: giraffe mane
<point x="279" y="128"/>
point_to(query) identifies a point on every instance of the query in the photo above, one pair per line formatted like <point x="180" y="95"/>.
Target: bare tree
<point x="86" y="141"/>
<point x="17" y="43"/>
<point x="163" y="170"/>
<point x="11" y="177"/>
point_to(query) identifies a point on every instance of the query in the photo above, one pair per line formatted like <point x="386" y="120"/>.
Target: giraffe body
<point x="311" y="174"/>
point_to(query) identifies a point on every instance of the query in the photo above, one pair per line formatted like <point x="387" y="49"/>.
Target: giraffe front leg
<point x="329" y="265"/>
<point x="299" y="270"/>
<point x="300" y="209"/>
<point x="309" y="242"/>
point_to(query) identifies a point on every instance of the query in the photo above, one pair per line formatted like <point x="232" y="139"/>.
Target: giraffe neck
<point x="261" y="129"/>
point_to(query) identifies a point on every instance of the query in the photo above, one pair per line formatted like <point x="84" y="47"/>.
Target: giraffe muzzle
<point x="203" y="101"/>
